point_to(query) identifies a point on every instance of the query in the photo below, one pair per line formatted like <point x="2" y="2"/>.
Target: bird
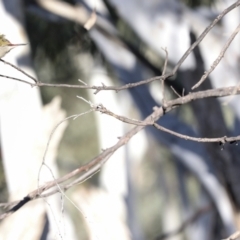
<point x="6" y="46"/>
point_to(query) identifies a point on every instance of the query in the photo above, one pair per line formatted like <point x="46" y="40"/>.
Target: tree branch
<point x="181" y="228"/>
<point x="219" y="58"/>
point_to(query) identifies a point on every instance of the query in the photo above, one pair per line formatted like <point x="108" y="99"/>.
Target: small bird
<point x="6" y="46"/>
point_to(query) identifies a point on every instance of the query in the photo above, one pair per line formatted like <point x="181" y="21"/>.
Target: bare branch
<point x="18" y="79"/>
<point x="87" y="170"/>
<point x="85" y="86"/>
<point x="203" y="35"/>
<point x="221" y="140"/>
<point x="163" y="73"/>
<point x="219" y="58"/>
<point x="175" y="91"/>
<point x="94" y="164"/>
<point x="20" y="70"/>
<point x="102" y="109"/>
<point x="218" y="92"/>
<point x="75" y="14"/>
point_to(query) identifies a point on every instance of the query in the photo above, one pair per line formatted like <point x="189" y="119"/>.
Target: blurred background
<point x="158" y="186"/>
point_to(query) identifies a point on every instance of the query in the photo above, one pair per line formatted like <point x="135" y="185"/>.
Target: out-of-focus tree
<point x="159" y="185"/>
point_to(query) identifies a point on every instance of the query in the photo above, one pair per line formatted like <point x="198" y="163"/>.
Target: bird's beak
<point x="15" y="45"/>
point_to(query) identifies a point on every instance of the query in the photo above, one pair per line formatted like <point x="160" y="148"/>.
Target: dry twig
<point x="219" y="58"/>
<point x="87" y="170"/>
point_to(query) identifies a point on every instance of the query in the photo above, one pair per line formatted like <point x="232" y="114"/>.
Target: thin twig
<point x="97" y="88"/>
<point x="96" y="163"/>
<point x="79" y="180"/>
<point x="175" y="91"/>
<point x="102" y="109"/>
<point x="82" y="82"/>
<point x="203" y="35"/>
<point x="221" y="140"/>
<point x="18" y="79"/>
<point x="218" y="92"/>
<point x="219" y="58"/>
<point x="183" y="92"/>
<point x="131" y="85"/>
<point x="51" y="135"/>
<point x="20" y="70"/>
<point x="163" y="73"/>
